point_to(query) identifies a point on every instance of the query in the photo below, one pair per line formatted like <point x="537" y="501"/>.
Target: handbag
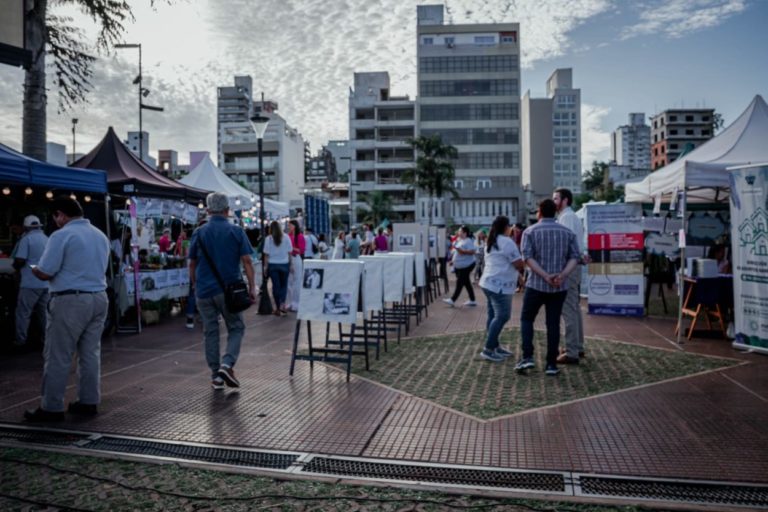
<point x="236" y="296"/>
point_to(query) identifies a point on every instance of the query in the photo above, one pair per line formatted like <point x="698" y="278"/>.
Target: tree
<point x="378" y="207"/>
<point x="595" y="177"/>
<point x="57" y="36"/>
<point x="717" y="122"/>
<point x="434" y="170"/>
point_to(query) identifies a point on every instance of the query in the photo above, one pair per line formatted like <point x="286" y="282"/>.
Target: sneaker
<point x="40" y="415"/>
<point x="552" y="371"/>
<point x="190" y="322"/>
<point x="524" y="364"/>
<point x="217" y="383"/>
<point x="491" y="356"/>
<point x="501" y="351"/>
<point x="449" y="302"/>
<point x="82" y="409"/>
<point x="564" y="359"/>
<point x="228" y="375"/>
<point x="470" y="303"/>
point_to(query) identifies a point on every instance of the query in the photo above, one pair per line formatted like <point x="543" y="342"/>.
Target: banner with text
<point x="615" y="246"/>
<point x="749" y="240"/>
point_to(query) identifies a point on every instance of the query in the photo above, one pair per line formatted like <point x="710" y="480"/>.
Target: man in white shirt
<point x="310" y="250"/>
<point x="33" y="292"/>
<point x="574" y="324"/>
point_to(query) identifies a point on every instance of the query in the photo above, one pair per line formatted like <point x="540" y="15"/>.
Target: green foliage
<point x="595" y="177"/>
<point x="434" y="172"/>
<point x="378" y="207"/>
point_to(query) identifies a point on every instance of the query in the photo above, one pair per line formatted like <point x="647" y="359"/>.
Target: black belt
<point x="72" y="292"/>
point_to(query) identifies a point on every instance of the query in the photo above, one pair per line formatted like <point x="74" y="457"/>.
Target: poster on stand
<point x="749" y="242"/>
<point x="394" y="276"/>
<point x="330" y="291"/>
<point x="432" y="254"/>
<point x="407" y="237"/>
<point x="441" y="236"/>
<point x="615" y="244"/>
<point x="409" y="275"/>
<point x="373" y="283"/>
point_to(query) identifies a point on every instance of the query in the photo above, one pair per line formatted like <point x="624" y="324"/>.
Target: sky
<point x="626" y="55"/>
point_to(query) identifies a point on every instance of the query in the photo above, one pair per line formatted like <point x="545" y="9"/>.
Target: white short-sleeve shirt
<point x="499" y="274"/>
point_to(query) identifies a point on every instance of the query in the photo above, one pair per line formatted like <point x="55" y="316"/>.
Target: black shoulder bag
<point x="236" y="296"/>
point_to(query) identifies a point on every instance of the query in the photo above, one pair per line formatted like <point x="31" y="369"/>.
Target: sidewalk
<point x="712" y="426"/>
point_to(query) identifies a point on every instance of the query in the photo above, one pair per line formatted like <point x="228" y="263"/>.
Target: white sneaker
<point x="470" y="303"/>
<point x="449" y="302"/>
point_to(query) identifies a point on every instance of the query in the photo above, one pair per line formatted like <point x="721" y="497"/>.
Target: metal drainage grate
<point x="191" y="452"/>
<point x="686" y="492"/>
<point x="552" y="482"/>
<point x="40" y="436"/>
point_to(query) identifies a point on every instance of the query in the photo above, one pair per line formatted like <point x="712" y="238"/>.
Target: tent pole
<point x="681" y="282"/>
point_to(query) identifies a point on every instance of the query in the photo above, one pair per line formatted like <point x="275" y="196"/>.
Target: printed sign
<point x="330" y="290"/>
<point x="615" y="243"/>
<point x="749" y="240"/>
<point x="373" y="283"/>
<point x="394" y="270"/>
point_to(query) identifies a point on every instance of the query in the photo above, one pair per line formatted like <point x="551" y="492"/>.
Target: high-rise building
<point x="552" y="126"/>
<point x="342" y="157"/>
<point x="168" y="163"/>
<point x="379" y="128"/>
<point x="469" y="94"/>
<point x="283" y="152"/>
<point x="631" y="143"/>
<point x="676" y="130"/>
<point x="135" y="145"/>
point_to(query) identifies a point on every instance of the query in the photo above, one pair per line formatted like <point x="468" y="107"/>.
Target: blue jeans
<point x="210" y="308"/>
<point x="191" y="302"/>
<point x="278" y="274"/>
<point x="553" y="304"/>
<point x="499" y="311"/>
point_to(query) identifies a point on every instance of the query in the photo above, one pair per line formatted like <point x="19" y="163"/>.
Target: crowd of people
<point x="64" y="276"/>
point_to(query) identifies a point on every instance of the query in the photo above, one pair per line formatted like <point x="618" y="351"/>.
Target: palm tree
<point x="59" y="37"/>
<point x="378" y="207"/>
<point x="434" y="171"/>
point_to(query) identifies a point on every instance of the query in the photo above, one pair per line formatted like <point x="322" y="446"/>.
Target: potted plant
<point x="150" y="312"/>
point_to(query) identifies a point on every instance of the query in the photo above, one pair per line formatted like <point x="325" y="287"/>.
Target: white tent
<point x="702" y="172"/>
<point x="207" y="176"/>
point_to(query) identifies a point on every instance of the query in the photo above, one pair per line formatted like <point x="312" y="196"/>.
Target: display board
<point x="749" y="241"/>
<point x="393" y="275"/>
<point x="373" y="283"/>
<point x="615" y="244"/>
<point x="407" y="237"/>
<point x="330" y="290"/>
<point x="408" y="263"/>
<point x="432" y="253"/>
<point x="441" y="235"/>
<point x="420" y="267"/>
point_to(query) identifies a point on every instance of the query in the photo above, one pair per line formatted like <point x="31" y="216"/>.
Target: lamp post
<point x="74" y="151"/>
<point x="259" y="124"/>
<point x="143" y="93"/>
<point x="349" y="191"/>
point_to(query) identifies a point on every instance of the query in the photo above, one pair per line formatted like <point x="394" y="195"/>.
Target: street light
<point x="143" y="92"/>
<point x="74" y="123"/>
<point x="349" y="192"/>
<point x="259" y="124"/>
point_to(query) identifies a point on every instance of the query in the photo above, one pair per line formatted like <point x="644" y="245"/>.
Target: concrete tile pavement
<point x="709" y="426"/>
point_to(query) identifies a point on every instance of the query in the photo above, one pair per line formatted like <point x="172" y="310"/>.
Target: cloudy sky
<point x="627" y="56"/>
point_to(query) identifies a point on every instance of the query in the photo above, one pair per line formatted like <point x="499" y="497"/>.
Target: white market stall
<point x="207" y="176"/>
<point x="702" y="175"/>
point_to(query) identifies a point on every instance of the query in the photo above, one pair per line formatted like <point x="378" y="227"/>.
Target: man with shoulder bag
<point x="215" y="254"/>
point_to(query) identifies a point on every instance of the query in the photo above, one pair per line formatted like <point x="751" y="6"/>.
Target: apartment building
<point x="676" y="130"/>
<point x="379" y="126"/>
<point x="469" y="94"/>
<point x="631" y="143"/>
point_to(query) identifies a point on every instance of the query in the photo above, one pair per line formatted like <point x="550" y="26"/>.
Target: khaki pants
<point x="574" y="324"/>
<point x="75" y="324"/>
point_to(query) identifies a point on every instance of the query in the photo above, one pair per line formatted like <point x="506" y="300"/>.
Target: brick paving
<point x="708" y="426"/>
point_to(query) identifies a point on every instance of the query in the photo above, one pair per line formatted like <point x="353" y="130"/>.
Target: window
<point x="704" y="119"/>
<point x="471" y="112"/>
<point x="706" y="133"/>
<point x="458" y="184"/>
<point x="673" y="132"/>
<point x="672" y="119"/>
<point x="488" y="160"/>
<point x="468" y="64"/>
<point x="434" y="88"/>
<point x="688" y="119"/>
<point x="485" y="40"/>
<point x="427" y="41"/>
<point x="508" y="37"/>
<point x="689" y="132"/>
<point x="673" y="146"/>
<point x="450" y="41"/>
<point x="483" y="184"/>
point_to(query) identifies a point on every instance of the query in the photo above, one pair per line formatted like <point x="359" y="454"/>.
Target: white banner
<point x="749" y="242"/>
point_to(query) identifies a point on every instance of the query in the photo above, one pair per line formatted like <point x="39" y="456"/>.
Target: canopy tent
<point x="19" y="169"/>
<point x="207" y="176"/>
<point x="127" y="175"/>
<point x="702" y="172"/>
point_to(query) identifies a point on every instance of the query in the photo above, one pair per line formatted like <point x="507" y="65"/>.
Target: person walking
<point x="463" y="264"/>
<point x="353" y="246"/>
<point x="33" y="292"/>
<point x="339" y="246"/>
<point x="322" y="246"/>
<point x="311" y="250"/>
<point x="551" y="253"/>
<point x="295" y="277"/>
<point x="277" y="258"/>
<point x="75" y="265"/>
<point x="503" y="262"/>
<point x="224" y="247"/>
<point x="574" y="323"/>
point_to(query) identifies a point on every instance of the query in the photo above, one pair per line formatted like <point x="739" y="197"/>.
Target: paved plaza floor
<point x="709" y="426"/>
